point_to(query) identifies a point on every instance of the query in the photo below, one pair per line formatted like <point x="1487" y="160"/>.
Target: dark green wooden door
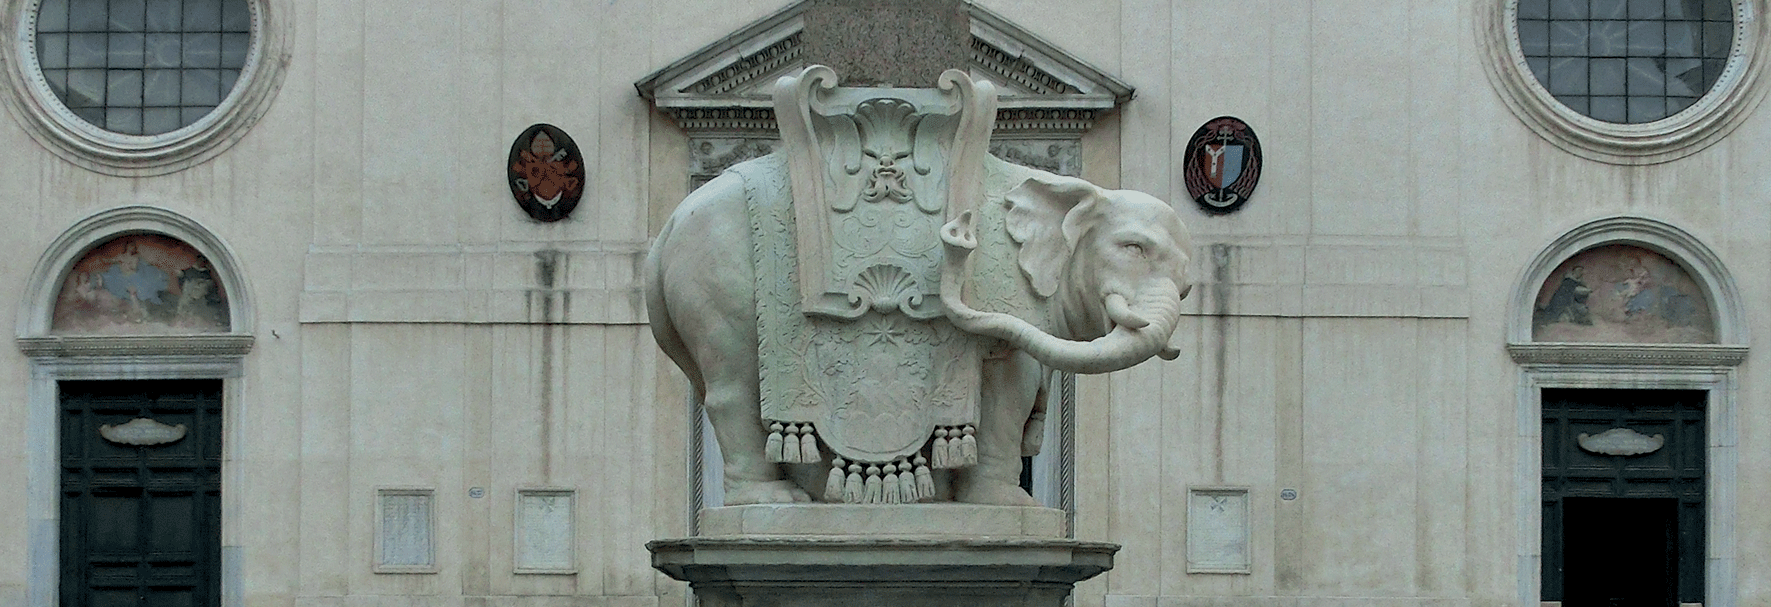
<point x="140" y="509"/>
<point x="1623" y="528"/>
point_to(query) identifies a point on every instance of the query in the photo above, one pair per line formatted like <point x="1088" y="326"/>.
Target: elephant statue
<point x="1015" y="273"/>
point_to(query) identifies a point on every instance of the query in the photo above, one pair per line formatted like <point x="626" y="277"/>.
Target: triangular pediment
<point x="731" y="80"/>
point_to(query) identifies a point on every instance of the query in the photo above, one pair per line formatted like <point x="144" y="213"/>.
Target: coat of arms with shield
<point x="1223" y="164"/>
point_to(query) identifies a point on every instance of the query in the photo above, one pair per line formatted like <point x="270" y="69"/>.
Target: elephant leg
<point x="733" y="409"/>
<point x="1011" y="386"/>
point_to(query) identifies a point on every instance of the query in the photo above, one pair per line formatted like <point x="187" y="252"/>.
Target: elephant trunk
<point x="1122" y="347"/>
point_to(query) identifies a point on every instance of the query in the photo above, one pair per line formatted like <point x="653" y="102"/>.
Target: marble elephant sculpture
<point x="1101" y="277"/>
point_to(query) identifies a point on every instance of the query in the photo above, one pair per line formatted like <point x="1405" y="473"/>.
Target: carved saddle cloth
<point x="874" y="369"/>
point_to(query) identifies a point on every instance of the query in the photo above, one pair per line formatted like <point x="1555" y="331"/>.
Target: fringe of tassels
<point x="902" y="481"/>
<point x="899" y="482"/>
<point x="792" y="444"/>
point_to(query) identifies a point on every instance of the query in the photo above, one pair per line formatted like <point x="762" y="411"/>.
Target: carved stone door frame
<point x="1719" y="383"/>
<point x="55" y="358"/>
<point x="1710" y="368"/>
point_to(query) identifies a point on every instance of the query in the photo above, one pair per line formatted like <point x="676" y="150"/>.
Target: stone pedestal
<point x="919" y="555"/>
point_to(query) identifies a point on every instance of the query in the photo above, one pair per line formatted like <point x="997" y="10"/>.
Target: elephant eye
<point x="1133" y="248"/>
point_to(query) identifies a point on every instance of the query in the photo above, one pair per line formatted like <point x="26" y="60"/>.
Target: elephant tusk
<point x="1120" y="312"/>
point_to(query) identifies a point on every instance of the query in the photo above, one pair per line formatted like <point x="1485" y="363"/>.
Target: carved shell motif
<point x="1621" y="441"/>
<point x="142" y="432"/>
<point x="885" y="287"/>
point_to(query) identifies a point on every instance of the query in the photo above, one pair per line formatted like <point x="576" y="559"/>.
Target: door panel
<point x="1623" y="529"/>
<point x="140" y="524"/>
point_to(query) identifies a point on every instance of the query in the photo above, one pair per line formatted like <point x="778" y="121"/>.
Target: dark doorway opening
<point x="1623" y="497"/>
<point x="140" y="493"/>
<point x="1620" y="552"/>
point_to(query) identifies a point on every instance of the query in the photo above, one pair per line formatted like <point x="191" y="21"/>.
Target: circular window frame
<point x="1722" y="108"/>
<point x="51" y="123"/>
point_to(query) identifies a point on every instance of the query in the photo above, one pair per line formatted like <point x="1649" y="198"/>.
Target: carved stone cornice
<point x="228" y="345"/>
<point x="726" y="87"/>
<point x="1666" y="355"/>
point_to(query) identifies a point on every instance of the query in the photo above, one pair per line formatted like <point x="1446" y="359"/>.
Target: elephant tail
<point x="658" y="316"/>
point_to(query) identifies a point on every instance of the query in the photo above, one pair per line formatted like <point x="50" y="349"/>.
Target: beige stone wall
<point x="1347" y="336"/>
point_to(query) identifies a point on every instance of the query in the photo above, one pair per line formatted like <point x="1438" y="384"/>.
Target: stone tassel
<point x="790" y="444"/>
<point x="925" y="482"/>
<point x="938" y="449"/>
<point x="907" y="483"/>
<point x="808" y="446"/>
<point x="874" y="491"/>
<point x="852" y="489"/>
<point x="772" y="449"/>
<point x="968" y="448"/>
<point x="833" y="483"/>
<point x="888" y="491"/>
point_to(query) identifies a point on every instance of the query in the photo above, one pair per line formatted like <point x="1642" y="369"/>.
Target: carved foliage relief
<point x="1622" y="294"/>
<point x="141" y="284"/>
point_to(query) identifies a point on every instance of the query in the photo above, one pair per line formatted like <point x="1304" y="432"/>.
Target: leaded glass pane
<point x="1568" y="76"/>
<point x="125" y="50"/>
<point x="162" y="50"/>
<point x="123" y="88"/>
<point x="142" y="66"/>
<point x="1626" y="60"/>
<point x="165" y="15"/>
<point x="86" y="50"/>
<point x="123" y="120"/>
<point x="86" y="88"/>
<point x="1609" y="38"/>
<point x="52" y="51"/>
<point x="1609" y="109"/>
<point x="87" y="15"/>
<point x="160" y="88"/>
<point x="1568" y="9"/>
<point x="127" y="16"/>
<point x="1607" y="77"/>
<point x="52" y="16"/>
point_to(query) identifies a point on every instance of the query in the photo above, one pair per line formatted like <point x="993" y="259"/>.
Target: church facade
<point x="326" y="304"/>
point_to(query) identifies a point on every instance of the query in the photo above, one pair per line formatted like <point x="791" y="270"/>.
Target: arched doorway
<point x="1627" y="332"/>
<point x="135" y="322"/>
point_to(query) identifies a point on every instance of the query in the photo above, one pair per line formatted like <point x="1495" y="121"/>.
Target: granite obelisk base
<point x="899" y="556"/>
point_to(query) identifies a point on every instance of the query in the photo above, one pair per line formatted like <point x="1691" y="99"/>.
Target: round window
<point x="142" y="86"/>
<point x="142" y="67"/>
<point x="1627" y="81"/>
<point x="1626" y="61"/>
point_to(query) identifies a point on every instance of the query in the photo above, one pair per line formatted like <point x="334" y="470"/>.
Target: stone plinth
<point x="922" y="555"/>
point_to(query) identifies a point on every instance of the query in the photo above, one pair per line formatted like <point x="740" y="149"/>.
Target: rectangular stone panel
<point x="1217" y="530"/>
<point x="405" y="531"/>
<point x="544" y="531"/>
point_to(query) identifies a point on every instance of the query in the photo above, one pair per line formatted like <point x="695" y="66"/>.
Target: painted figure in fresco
<point x="1569" y="303"/>
<point x="141" y="283"/>
<point x="199" y="303"/>
<point x="137" y="284"/>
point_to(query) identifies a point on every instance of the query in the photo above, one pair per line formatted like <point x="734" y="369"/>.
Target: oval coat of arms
<point x="546" y="172"/>
<point x="1223" y="164"/>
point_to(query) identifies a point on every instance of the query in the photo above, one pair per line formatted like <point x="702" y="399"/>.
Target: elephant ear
<point x="1037" y="213"/>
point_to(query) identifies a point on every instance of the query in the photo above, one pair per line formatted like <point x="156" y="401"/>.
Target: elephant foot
<point x="764" y="492"/>
<point x="993" y="493"/>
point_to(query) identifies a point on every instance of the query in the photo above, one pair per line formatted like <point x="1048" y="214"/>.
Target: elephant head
<point x="1113" y="264"/>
